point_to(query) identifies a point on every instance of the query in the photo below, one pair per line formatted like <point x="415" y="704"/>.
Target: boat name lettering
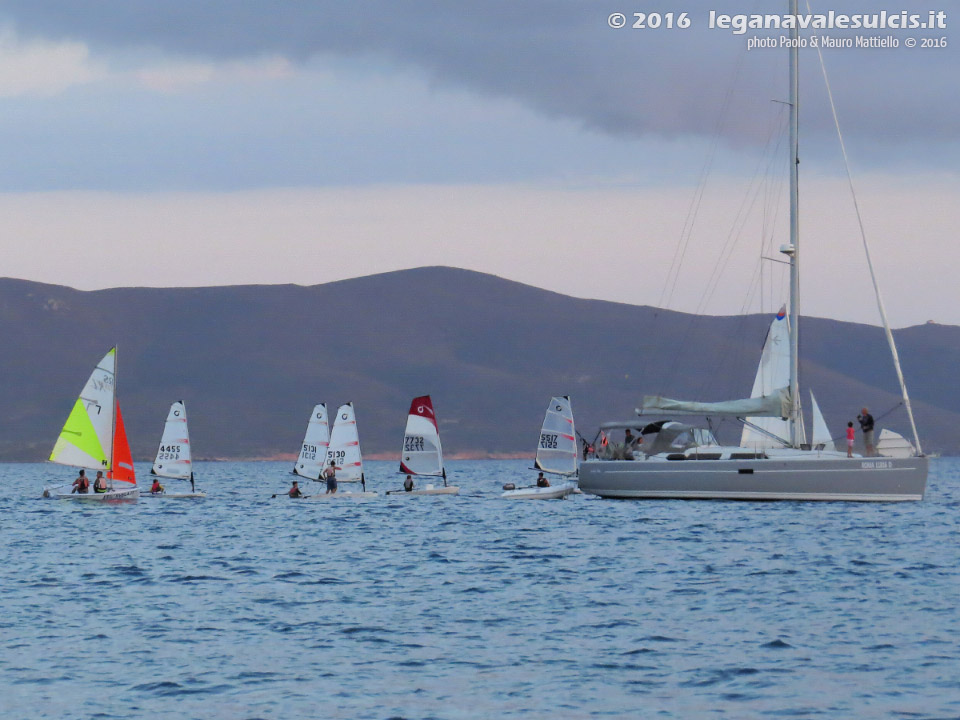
<point x="876" y="464"/>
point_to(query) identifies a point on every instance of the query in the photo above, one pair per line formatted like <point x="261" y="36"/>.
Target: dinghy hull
<point x="63" y="493"/>
<point x="451" y="490"/>
<point x="554" y="492"/>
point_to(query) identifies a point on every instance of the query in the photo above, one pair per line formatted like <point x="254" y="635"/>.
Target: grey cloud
<point x="558" y="57"/>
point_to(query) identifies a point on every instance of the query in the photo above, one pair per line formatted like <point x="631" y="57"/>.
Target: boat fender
<point x="509" y="486"/>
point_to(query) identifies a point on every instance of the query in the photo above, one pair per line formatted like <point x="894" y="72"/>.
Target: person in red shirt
<point x="81" y="484"/>
<point x="294" y="492"/>
<point x="850" y="436"/>
<point x="156" y="487"/>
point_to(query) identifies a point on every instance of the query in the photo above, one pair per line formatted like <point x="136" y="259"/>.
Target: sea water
<point x="239" y="606"/>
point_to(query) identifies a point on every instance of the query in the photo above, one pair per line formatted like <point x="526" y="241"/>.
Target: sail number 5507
<point x="668" y="20"/>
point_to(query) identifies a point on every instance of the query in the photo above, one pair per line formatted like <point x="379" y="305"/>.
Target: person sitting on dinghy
<point x="542" y="481"/>
<point x="295" y="492"/>
<point x="156" y="487"/>
<point x="408" y="483"/>
<point x="100" y="484"/>
<point x="331" y="475"/>
<point x="81" y="484"/>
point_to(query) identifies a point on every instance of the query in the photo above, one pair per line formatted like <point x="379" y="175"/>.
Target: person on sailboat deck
<point x="156" y="487"/>
<point x="850" y="436"/>
<point x="331" y="475"/>
<point x="294" y="492"/>
<point x="408" y="483"/>
<point x="542" y="481"/>
<point x="100" y="484"/>
<point x="628" y="439"/>
<point x="866" y="424"/>
<point x="81" y="484"/>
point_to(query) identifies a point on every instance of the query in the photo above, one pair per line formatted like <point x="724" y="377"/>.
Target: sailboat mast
<point x="113" y="426"/>
<point x="794" y="233"/>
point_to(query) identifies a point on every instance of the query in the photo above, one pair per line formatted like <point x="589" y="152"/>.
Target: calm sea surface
<point x="474" y="607"/>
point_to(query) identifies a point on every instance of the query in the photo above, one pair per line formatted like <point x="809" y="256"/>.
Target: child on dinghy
<point x="542" y="481"/>
<point x="100" y="484"/>
<point x="294" y="491"/>
<point x="408" y="484"/>
<point x="156" y="487"/>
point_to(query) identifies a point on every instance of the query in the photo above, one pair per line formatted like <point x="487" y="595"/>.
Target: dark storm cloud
<point x="558" y="57"/>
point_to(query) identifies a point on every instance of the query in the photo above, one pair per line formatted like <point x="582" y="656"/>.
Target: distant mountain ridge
<point x="251" y="361"/>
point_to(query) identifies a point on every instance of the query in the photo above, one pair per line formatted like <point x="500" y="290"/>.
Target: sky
<point x="211" y="142"/>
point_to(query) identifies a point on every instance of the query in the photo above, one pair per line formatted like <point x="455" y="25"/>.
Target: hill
<point x="251" y="361"/>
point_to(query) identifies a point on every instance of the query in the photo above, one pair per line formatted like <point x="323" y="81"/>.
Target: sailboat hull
<point x="791" y="478"/>
<point x="62" y="492"/>
<point x="173" y="496"/>
<point x="449" y="490"/>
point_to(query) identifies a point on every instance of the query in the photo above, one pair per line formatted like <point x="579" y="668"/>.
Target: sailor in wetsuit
<point x="408" y="483"/>
<point x="542" y="482"/>
<point x="294" y="492"/>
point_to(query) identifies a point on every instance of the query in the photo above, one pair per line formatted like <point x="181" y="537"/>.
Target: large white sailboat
<point x="174" y="457"/>
<point x="556" y="454"/>
<point x="422" y="454"/>
<point x="94" y="438"/>
<point x="773" y="460"/>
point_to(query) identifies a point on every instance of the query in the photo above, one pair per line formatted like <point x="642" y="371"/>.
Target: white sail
<point x="344" y="447"/>
<point x="772" y="373"/>
<point x="173" y="456"/>
<point x="313" y="451"/>
<point x="821" y="434"/>
<point x="557" y="449"/>
<point x="894" y="445"/>
<point x="87" y="437"/>
<point x="421" y="453"/>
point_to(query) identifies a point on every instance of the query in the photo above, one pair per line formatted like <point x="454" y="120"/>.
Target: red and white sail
<point x="316" y="441"/>
<point x="173" y="456"/>
<point x="344" y="449"/>
<point x="421" y="453"/>
<point x="557" y="449"/>
<point x="122" y="469"/>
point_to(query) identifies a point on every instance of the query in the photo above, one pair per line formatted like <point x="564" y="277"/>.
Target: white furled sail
<point x="87" y="437"/>
<point x="557" y="449"/>
<point x="421" y="453"/>
<point x="313" y="452"/>
<point x="173" y="456"/>
<point x="344" y="449"/>
<point x="821" y="434"/>
<point x="772" y="373"/>
<point x="776" y="405"/>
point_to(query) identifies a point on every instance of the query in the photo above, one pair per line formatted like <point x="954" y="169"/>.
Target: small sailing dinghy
<point x="94" y="438"/>
<point x="421" y="453"/>
<point x="556" y="454"/>
<point x="344" y="452"/>
<point x="173" y="459"/>
<point x="316" y="440"/>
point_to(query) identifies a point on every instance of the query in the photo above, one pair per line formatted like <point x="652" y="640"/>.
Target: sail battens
<point x="557" y="447"/>
<point x="173" y="456"/>
<point x="344" y="448"/>
<point x="421" y="453"/>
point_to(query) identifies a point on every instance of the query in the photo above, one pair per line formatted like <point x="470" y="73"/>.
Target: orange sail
<point x="122" y="460"/>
